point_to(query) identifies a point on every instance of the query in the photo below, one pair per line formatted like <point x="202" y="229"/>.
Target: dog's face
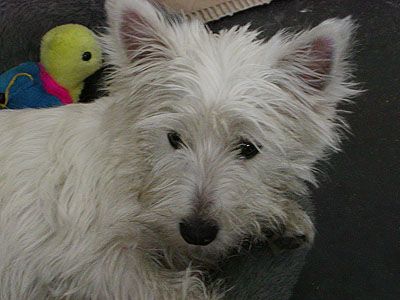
<point x="222" y="127"/>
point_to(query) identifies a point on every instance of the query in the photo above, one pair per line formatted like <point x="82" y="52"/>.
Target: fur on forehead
<point x="167" y="63"/>
<point x="143" y="37"/>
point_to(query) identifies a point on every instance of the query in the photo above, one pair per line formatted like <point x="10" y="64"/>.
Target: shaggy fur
<point x="92" y="195"/>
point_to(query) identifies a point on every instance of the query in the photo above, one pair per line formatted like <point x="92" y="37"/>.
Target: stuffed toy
<point x="68" y="55"/>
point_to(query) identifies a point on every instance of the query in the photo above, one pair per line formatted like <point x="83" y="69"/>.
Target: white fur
<point x="91" y="195"/>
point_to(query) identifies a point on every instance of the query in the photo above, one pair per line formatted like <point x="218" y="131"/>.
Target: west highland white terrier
<point x="204" y="142"/>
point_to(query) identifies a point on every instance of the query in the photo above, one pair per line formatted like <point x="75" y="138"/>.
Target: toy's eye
<point x="247" y="150"/>
<point x="86" y="56"/>
<point x="175" y="140"/>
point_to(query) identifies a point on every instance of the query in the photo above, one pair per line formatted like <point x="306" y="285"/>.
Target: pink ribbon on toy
<point x="53" y="88"/>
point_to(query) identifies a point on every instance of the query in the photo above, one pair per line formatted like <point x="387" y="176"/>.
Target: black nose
<point x="198" y="232"/>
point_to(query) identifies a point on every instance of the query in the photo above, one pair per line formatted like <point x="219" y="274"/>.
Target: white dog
<point x="204" y="142"/>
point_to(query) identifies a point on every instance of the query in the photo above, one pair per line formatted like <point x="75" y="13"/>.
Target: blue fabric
<point x="26" y="91"/>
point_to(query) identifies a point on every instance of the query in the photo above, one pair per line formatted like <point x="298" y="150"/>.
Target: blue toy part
<point x="21" y="87"/>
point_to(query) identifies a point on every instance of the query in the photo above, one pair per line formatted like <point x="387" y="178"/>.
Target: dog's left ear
<point x="313" y="60"/>
<point x="139" y="30"/>
<point x="312" y="68"/>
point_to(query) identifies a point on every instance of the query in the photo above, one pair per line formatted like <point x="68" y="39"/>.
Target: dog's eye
<point x="175" y="140"/>
<point x="247" y="150"/>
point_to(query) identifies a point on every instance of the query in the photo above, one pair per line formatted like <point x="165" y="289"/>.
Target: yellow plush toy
<point x="68" y="55"/>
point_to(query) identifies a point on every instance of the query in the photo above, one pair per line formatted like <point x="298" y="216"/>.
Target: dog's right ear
<point x="139" y="31"/>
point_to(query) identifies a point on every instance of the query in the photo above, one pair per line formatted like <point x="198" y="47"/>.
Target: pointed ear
<point x="315" y="59"/>
<point x="139" y="30"/>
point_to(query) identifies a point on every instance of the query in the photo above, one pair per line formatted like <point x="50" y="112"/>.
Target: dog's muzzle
<point x="198" y="232"/>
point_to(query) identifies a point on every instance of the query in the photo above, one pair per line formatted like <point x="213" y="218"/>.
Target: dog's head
<point x="221" y="128"/>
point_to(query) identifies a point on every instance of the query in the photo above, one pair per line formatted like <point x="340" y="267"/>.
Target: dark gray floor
<point x="357" y="250"/>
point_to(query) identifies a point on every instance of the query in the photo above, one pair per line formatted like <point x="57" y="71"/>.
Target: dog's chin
<point x="206" y="256"/>
<point x="210" y="253"/>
